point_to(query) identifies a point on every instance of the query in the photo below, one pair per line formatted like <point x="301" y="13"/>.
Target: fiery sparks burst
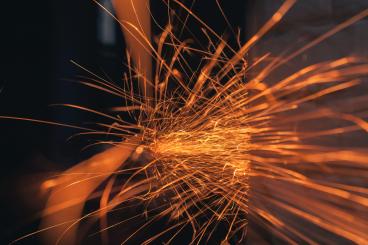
<point x="221" y="146"/>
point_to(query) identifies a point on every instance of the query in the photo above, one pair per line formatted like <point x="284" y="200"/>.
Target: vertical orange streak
<point x="137" y="13"/>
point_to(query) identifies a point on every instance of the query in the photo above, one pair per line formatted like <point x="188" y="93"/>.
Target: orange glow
<point x="71" y="191"/>
<point x="223" y="146"/>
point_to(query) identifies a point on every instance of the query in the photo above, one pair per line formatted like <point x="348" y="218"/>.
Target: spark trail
<point x="222" y="148"/>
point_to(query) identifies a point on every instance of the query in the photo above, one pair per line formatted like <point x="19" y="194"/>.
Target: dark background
<point x="38" y="40"/>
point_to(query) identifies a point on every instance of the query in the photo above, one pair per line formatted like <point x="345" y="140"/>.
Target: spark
<point x="225" y="148"/>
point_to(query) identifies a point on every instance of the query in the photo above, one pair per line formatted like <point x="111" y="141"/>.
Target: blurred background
<point x="39" y="38"/>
